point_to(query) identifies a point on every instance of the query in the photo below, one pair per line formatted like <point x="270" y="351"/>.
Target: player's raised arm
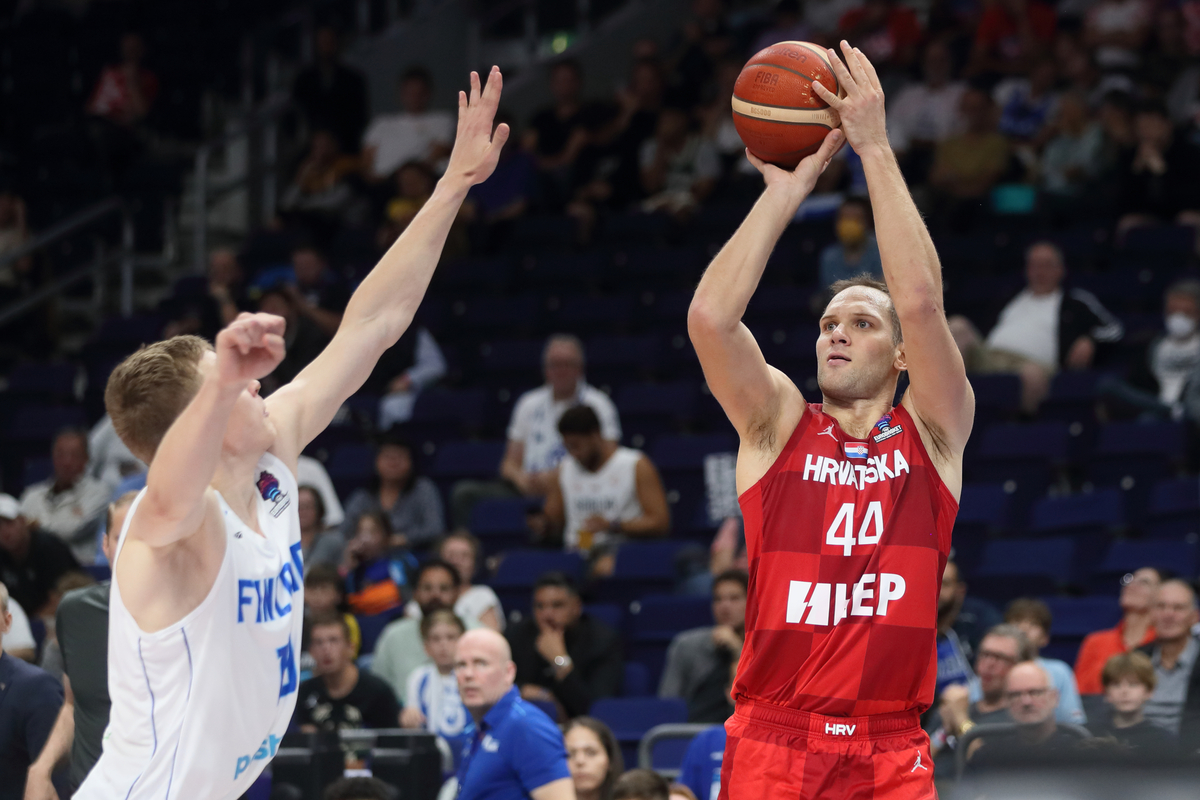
<point x="748" y="389"/>
<point x="383" y="306"/>
<point x="939" y="394"/>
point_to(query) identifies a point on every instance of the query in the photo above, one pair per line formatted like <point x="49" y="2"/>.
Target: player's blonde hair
<point x="149" y="389"/>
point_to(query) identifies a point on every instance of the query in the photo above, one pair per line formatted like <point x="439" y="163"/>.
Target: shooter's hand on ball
<point x="862" y="109"/>
<point x="802" y="179"/>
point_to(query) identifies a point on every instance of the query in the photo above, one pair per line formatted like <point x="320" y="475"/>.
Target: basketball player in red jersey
<point x="848" y="503"/>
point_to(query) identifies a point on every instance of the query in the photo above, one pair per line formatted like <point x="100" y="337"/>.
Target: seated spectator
<point x="962" y="623"/>
<point x="321" y="198"/>
<point x="479" y="603"/>
<point x="433" y="703"/>
<point x="227" y="284"/>
<point x="1129" y="680"/>
<point x="700" y="771"/>
<point x="679" y="167"/>
<point x="509" y="192"/>
<point x="376" y="571"/>
<point x="311" y="472"/>
<point x="31" y="560"/>
<point x="410" y="500"/>
<point x="641" y="784"/>
<point x="415" y="181"/>
<point x="856" y="252"/>
<point x="110" y="461"/>
<point x="1116" y="30"/>
<point x="1074" y="155"/>
<point x="70" y="503"/>
<point x="320" y="293"/>
<point x="1042" y="314"/>
<point x="562" y="654"/>
<point x="605" y="495"/>
<point x="926" y="113"/>
<point x="341" y="696"/>
<point x="1138" y="594"/>
<point x="1034" y="618"/>
<point x="1010" y="35"/>
<point x="1175" y="703"/>
<point x="331" y="94"/>
<point x="19" y="642"/>
<point x="303" y="339"/>
<point x="400" y="649"/>
<point x="1157" y="385"/>
<point x="534" y="444"/>
<point x="594" y="758"/>
<point x="1159" y="174"/>
<point x="417" y="133"/>
<point x="526" y="756"/>
<point x="1031" y="703"/>
<point x="358" y="789"/>
<point x="1027" y="104"/>
<point x="968" y="164"/>
<point x="29" y="703"/>
<point x="698" y="660"/>
<point x="406" y="369"/>
<point x="886" y="31"/>
<point x="317" y="544"/>
<point x="125" y="92"/>
<point x="325" y="594"/>
<point x="1001" y="648"/>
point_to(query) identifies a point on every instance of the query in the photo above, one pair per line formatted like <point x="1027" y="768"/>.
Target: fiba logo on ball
<point x="776" y="112"/>
<point x="268" y="487"/>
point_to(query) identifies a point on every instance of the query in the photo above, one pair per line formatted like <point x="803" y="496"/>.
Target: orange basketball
<point x="775" y="110"/>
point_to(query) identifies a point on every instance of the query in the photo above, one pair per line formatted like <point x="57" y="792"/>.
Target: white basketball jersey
<point x="610" y="492"/>
<point x="199" y="708"/>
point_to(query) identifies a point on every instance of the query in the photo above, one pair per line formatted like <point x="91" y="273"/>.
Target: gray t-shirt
<point x="1165" y="706"/>
<point x="82" y="629"/>
<point x="690" y="658"/>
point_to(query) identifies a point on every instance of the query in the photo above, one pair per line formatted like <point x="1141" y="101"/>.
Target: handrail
<point x="682" y="730"/>
<point x="124" y="256"/>
<point x="963" y="746"/>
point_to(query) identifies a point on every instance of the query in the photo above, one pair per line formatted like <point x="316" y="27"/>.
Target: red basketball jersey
<point x="846" y="539"/>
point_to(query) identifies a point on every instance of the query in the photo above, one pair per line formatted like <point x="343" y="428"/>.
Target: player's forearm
<point x="189" y="453"/>
<point x="388" y="297"/>
<point x="58" y="744"/>
<point x="733" y="276"/>
<point x="910" y="263"/>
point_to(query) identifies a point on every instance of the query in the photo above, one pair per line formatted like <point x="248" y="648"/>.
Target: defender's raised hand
<point x="249" y="348"/>
<point x="476" y="147"/>
<point x="862" y="109"/>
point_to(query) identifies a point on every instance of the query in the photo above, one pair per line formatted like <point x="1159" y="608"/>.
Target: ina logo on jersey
<point x="268" y="487"/>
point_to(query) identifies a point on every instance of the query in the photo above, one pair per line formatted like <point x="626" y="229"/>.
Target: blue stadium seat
<point x="1164" y="440"/>
<point x="520" y="569"/>
<point x="32" y="423"/>
<point x="500" y="524"/>
<point x="1076" y="617"/>
<point x="651" y="409"/>
<point x="351" y="466"/>
<point x="661" y="617"/>
<point x="516" y="315"/>
<point x="584" y="313"/>
<point x="997" y="397"/>
<point x="572" y="271"/>
<point x="611" y="615"/>
<point x="37" y="468"/>
<point x="982" y="507"/>
<point x="672" y="452"/>
<point x="1025" y="458"/>
<point x="467" y="460"/>
<point x="454" y="412"/>
<point x="1174" y="508"/>
<point x="1040" y="440"/>
<point x="547" y="707"/>
<point x="641" y="568"/>
<point x="544" y="231"/>
<point x="50" y="381"/>
<point x="630" y="718"/>
<point x="637" y="680"/>
<point x="1023" y="568"/>
<point x="1101" y="511"/>
<point x="523" y="356"/>
<point x="483" y="274"/>
<point x="1175" y="557"/>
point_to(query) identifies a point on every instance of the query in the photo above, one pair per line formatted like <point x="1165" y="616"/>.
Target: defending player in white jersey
<point x="207" y="591"/>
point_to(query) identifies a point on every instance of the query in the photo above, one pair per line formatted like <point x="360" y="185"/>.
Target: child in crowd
<point x="641" y="784"/>
<point x="1033" y="617"/>
<point x="325" y="593"/>
<point x="1129" y="680"/>
<point x="433" y="701"/>
<point x="376" y="577"/>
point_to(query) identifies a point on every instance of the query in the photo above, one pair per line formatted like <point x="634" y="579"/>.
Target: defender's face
<point x="855" y="354"/>
<point x="250" y="427"/>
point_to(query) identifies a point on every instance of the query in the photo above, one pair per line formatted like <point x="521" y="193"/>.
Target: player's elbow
<point x="918" y="303"/>
<point x="705" y="319"/>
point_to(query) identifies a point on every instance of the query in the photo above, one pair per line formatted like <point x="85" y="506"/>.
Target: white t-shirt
<point x="1028" y="326"/>
<point x="611" y="492"/>
<point x="1114" y="16"/>
<point x="535" y="423"/>
<point x="920" y="112"/>
<point x="310" y="472"/>
<point x="400" y="138"/>
<point x="1173" y="362"/>
<point x="436" y="696"/>
<point x="20" y="634"/>
<point x="469" y="607"/>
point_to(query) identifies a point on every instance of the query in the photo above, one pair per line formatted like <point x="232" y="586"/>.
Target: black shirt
<point x="1146" y="738"/>
<point x="82" y="629"/>
<point x="29" y="703"/>
<point x="334" y="98"/>
<point x="595" y="650"/>
<point x="554" y="131"/>
<point x="30" y="582"/>
<point x="1012" y="750"/>
<point x="370" y="704"/>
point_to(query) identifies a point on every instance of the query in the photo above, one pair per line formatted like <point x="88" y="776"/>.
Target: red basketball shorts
<point x="774" y="752"/>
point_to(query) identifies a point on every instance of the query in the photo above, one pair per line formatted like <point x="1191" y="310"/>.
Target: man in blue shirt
<point x="515" y="751"/>
<point x="29" y="703"/>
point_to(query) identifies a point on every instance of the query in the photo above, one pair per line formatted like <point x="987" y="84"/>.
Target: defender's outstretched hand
<point x="476" y="147"/>
<point x="804" y="177"/>
<point x="861" y="110"/>
<point x="249" y="348"/>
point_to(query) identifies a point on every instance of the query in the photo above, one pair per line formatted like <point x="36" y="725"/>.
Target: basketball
<point x="775" y="110"/>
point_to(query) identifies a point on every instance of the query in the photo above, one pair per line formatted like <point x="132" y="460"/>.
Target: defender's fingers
<point x="854" y="65"/>
<point x="845" y="79"/>
<point x="872" y="75"/>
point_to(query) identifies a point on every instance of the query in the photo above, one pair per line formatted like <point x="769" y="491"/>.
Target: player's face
<point x="1127" y="695"/>
<point x="249" y="428"/>
<point x="441" y="643"/>
<point x="856" y="358"/>
<point x="435" y="589"/>
<point x="586" y="758"/>
<point x="555" y="608"/>
<point x="729" y="603"/>
<point x="329" y="648"/>
<point x="459" y="554"/>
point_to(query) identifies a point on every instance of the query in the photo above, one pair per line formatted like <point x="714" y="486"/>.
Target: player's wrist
<point x="876" y="153"/>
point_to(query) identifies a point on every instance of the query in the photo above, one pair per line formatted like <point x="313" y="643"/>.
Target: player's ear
<point x="900" y="362"/>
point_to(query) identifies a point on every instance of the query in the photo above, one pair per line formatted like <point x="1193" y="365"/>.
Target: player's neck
<point x="856" y="417"/>
<point x="234" y="479"/>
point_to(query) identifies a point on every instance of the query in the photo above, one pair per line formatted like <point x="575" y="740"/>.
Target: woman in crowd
<point x="475" y="603"/>
<point x="593" y="757"/>
<point x="409" y="500"/>
<point x="318" y="545"/>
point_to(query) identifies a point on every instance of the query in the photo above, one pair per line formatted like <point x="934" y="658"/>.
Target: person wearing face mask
<point x="1163" y="382"/>
<point x="856" y="251"/>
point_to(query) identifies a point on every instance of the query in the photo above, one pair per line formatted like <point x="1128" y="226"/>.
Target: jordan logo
<point x="918" y="765"/>
<point x="828" y="432"/>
